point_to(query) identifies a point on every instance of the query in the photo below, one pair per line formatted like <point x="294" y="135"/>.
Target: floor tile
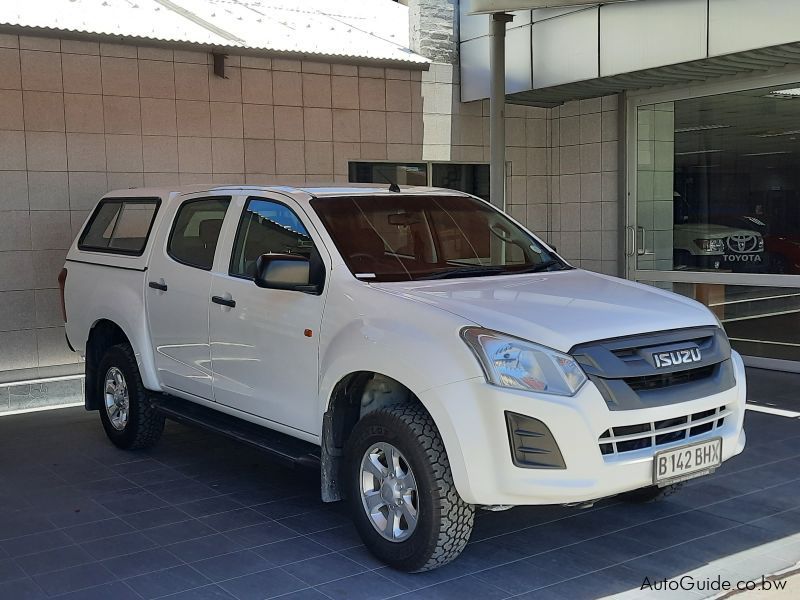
<point x="118" y="545"/>
<point x="73" y="578"/>
<point x="235" y="564"/>
<point x="266" y="584"/>
<point x="322" y="569"/>
<point x="169" y="581"/>
<point x="141" y="563"/>
<point x="53" y="560"/>
<point x="364" y="586"/>
<point x="290" y="551"/>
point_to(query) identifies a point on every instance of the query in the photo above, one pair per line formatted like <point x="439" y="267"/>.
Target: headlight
<point x="514" y="363"/>
<point x="711" y="245"/>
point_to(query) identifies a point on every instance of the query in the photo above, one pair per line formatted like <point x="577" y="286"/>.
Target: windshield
<point x="406" y="238"/>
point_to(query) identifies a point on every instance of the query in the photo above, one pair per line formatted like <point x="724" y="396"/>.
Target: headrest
<point x="209" y="230"/>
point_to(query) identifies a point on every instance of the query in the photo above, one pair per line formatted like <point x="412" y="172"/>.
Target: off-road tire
<point x="651" y="493"/>
<point x="445" y="520"/>
<point x="145" y="425"/>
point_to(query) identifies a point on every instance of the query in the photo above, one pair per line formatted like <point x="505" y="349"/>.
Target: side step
<point x="284" y="448"/>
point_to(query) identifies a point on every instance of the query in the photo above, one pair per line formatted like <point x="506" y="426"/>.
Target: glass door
<point x="714" y="210"/>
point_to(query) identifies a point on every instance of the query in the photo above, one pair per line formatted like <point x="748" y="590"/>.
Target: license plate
<point x="686" y="462"/>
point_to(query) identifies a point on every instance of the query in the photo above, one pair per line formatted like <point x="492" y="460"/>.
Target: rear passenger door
<point x="178" y="289"/>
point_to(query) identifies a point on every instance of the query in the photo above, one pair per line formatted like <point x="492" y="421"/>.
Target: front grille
<point x="663" y="380"/>
<point x="627" y="438"/>
<point x="624" y="369"/>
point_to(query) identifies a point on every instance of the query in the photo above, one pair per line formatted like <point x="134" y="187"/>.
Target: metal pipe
<point x="497" y="106"/>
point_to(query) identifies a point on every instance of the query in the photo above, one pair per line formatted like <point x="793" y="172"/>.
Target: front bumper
<point x="471" y="419"/>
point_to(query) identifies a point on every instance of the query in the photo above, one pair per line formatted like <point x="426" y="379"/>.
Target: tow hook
<point x="580" y="505"/>
<point x="497" y="507"/>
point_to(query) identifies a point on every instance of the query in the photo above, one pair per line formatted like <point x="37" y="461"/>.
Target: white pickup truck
<point x="427" y="353"/>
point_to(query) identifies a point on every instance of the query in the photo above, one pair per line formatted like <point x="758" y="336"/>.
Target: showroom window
<point x="718" y="183"/>
<point x="716" y="215"/>
<point x="472" y="178"/>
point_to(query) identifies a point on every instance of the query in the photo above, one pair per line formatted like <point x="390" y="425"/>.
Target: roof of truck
<point x="298" y="192"/>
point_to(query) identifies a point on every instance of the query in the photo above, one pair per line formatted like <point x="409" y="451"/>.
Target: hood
<point x="713" y="230"/>
<point x="557" y="309"/>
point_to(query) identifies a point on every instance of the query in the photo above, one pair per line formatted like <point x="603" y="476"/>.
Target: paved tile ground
<point x="200" y="517"/>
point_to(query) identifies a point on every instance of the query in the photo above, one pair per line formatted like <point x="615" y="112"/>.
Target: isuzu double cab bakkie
<point x="423" y="350"/>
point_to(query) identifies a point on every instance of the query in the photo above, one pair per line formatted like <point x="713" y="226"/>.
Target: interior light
<point x="697" y="152"/>
<point x="768" y="153"/>
<point x="778" y="133"/>
<point x="788" y="93"/>
<point x="700" y="128"/>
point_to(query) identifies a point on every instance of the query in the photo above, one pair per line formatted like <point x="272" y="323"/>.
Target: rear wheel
<point x="651" y="493"/>
<point x="401" y="492"/>
<point x="128" y="418"/>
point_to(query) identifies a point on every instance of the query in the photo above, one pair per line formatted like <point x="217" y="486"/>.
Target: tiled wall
<point x="585" y="190"/>
<point x="79" y="118"/>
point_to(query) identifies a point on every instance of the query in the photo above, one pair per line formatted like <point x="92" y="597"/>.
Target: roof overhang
<point x="762" y="60"/>
<point x="365" y="33"/>
<point x="340" y="59"/>
<point x="480" y="7"/>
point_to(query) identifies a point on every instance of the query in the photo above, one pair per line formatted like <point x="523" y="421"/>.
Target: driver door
<point x="265" y="342"/>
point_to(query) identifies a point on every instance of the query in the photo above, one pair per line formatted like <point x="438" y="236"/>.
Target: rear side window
<point x="196" y="230"/>
<point x="120" y="226"/>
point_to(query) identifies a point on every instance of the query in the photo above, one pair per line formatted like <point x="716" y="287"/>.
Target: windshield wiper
<point x="542" y="266"/>
<point x="465" y="272"/>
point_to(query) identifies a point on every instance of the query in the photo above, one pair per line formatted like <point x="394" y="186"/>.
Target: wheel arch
<point x="106" y="332"/>
<point x="354" y="395"/>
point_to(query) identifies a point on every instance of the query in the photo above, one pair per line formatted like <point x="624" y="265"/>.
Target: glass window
<point x="760" y="321"/>
<point x="396" y="238"/>
<point x="471" y="178"/>
<point x="386" y="173"/>
<point x="120" y="226"/>
<point x="267" y="227"/>
<point x="195" y="233"/>
<point x="718" y="183"/>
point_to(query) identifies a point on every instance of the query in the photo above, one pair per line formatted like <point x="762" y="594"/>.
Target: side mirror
<point x="284" y="272"/>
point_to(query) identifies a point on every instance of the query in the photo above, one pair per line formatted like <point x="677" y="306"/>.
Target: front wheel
<point x="128" y="418"/>
<point x="401" y="492"/>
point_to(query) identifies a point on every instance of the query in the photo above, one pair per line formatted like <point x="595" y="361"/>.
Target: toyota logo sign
<point x="743" y="242"/>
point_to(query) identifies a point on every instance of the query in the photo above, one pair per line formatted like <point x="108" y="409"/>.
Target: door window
<point x="195" y="233"/>
<point x="268" y="227"/>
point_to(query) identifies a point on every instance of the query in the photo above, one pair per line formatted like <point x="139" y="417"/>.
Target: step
<point x="284" y="448"/>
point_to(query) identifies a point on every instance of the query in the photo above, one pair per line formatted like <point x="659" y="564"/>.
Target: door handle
<point x="158" y="286"/>
<point x="223" y="301"/>
<point x="642" y="250"/>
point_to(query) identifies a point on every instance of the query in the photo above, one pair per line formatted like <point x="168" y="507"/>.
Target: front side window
<point x="195" y="233"/>
<point x="401" y="238"/>
<point x="120" y="226"/>
<point x="268" y="227"/>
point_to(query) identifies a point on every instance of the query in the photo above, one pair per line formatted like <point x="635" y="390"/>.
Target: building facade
<point x="706" y="168"/>
<point x="628" y="168"/>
